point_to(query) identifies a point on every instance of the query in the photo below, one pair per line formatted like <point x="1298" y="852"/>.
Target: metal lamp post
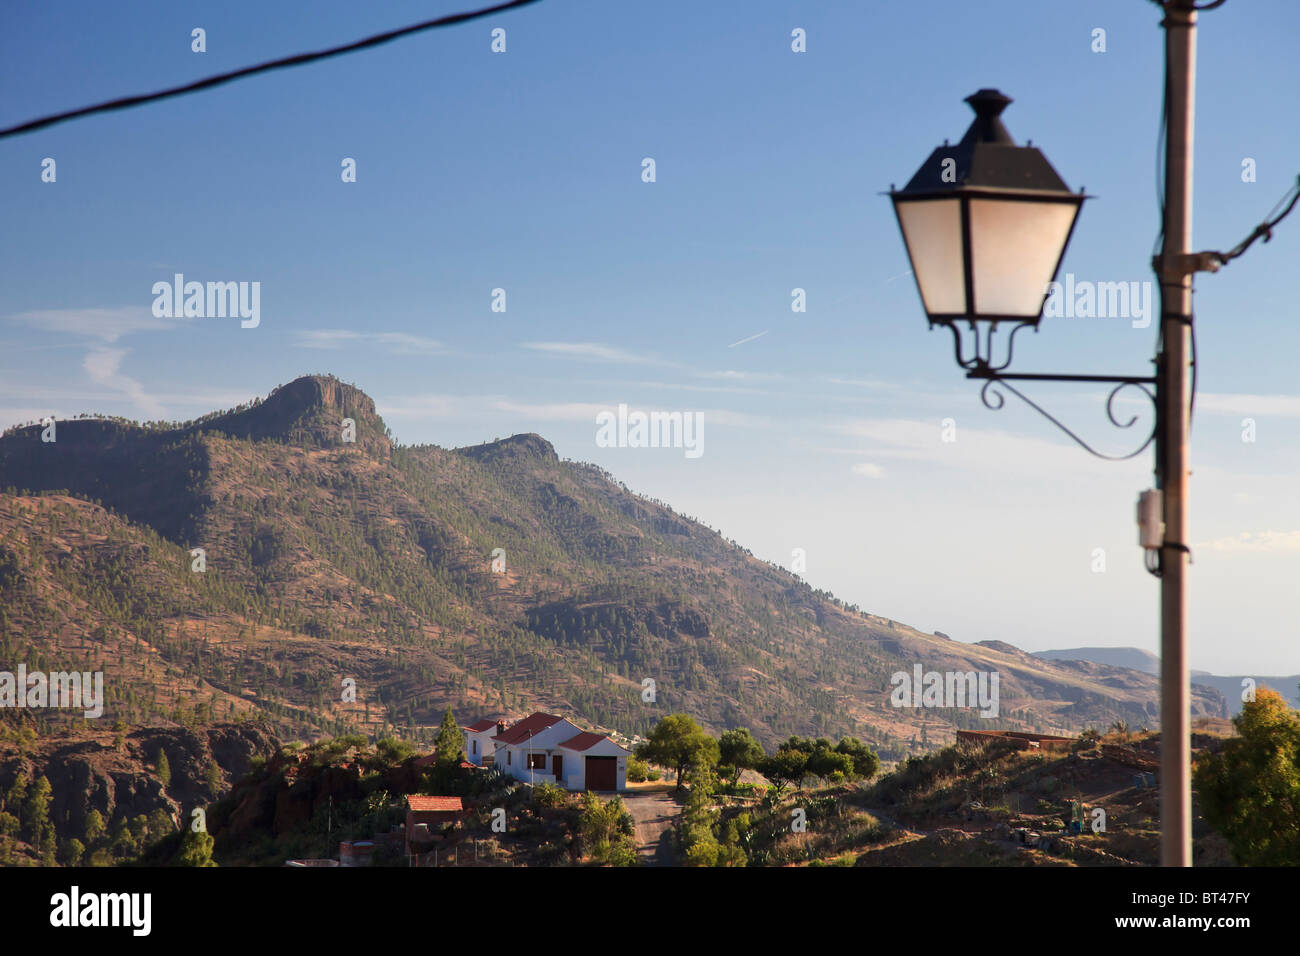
<point x="986" y="223"/>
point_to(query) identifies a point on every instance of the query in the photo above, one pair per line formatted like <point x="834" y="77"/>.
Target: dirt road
<point x="654" y="814"/>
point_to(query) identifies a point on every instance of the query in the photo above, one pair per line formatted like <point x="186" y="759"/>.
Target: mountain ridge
<point x="371" y="561"/>
<point x="1231" y="686"/>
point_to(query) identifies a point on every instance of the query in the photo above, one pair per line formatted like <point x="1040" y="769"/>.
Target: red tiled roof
<point x="530" y="726"/>
<point x="584" y="741"/>
<point x="420" y="803"/>
<point x="480" y="726"/>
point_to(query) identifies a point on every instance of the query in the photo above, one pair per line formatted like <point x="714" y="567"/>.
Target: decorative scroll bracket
<point x="993" y="399"/>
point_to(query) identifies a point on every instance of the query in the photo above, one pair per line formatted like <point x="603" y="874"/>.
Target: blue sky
<point x="522" y="171"/>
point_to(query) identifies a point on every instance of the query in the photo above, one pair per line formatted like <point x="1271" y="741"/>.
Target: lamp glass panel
<point x="1015" y="247"/>
<point x="932" y="231"/>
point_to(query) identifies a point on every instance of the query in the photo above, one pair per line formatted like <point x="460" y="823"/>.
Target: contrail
<point x="750" y="339"/>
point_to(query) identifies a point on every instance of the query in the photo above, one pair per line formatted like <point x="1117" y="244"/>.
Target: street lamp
<point x="986" y="223"/>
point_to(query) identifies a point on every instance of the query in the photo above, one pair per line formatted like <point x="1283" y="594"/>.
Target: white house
<point x="478" y="740"/>
<point x="544" y="748"/>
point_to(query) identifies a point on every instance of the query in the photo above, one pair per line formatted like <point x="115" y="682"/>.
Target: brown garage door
<point x="602" y="773"/>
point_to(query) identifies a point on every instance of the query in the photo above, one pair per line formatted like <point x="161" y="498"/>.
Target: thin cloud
<point x="1282" y="406"/>
<point x="108" y="325"/>
<point x="1254" y="541"/>
<point x="980" y="449"/>
<point x="868" y="470"/>
<point x="326" y="338"/>
<point x="861" y="382"/>
<point x="684" y="387"/>
<point x="103" y="365"/>
<point x="552" y="411"/>
<point x="405" y="342"/>
<point x="395" y="342"/>
<point x="593" y="351"/>
<point x="422" y="407"/>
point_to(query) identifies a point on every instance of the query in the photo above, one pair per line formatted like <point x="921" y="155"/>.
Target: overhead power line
<point x="299" y="59"/>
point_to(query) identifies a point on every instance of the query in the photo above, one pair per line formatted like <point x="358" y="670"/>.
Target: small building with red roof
<point x="427" y="818"/>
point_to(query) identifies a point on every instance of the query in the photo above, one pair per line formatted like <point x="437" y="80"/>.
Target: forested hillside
<point x="327" y="560"/>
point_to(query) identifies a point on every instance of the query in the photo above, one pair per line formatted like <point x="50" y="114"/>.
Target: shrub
<point x="607" y="830"/>
<point x="550" y="795"/>
<point x="637" y="770"/>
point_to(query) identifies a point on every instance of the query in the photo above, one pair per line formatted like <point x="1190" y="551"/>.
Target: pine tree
<point x="94" y="829"/>
<point x="196" y="850"/>
<point x="450" y="744"/>
<point x="36" y="813"/>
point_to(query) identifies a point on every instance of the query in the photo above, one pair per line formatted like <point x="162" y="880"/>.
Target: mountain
<point x="1131" y="657"/>
<point x="256" y="563"/>
<point x="1230" y="687"/>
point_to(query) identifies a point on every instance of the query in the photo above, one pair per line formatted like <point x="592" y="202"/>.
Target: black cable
<point x="296" y="60"/>
<point x="1157" y="247"/>
<point x="1151" y="558"/>
<point x="1191" y="328"/>
<point x="1265" y="229"/>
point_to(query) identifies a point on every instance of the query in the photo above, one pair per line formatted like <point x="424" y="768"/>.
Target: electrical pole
<point x="1175" y="276"/>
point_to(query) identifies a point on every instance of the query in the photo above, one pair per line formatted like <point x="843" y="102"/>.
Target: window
<point x="537" y="761"/>
<point x="473" y="747"/>
<point x="509" y="754"/>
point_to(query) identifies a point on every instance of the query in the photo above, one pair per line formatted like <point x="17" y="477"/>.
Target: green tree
<point x="450" y="743"/>
<point x="787" y="766"/>
<point x="17" y="795"/>
<point x="1250" y="791"/>
<point x="73" y="851"/>
<point x="161" y="824"/>
<point x="739" y="751"/>
<point x="196" y="850"/>
<point x="36" y="813"/>
<point x="679" y="742"/>
<point x="698" y="843"/>
<point x="213" y="779"/>
<point x="164" y="768"/>
<point x="94" y="828"/>
<point x="123" y="843"/>
<point x="393" y="751"/>
<point x="825" y="763"/>
<point x="866" y="763"/>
